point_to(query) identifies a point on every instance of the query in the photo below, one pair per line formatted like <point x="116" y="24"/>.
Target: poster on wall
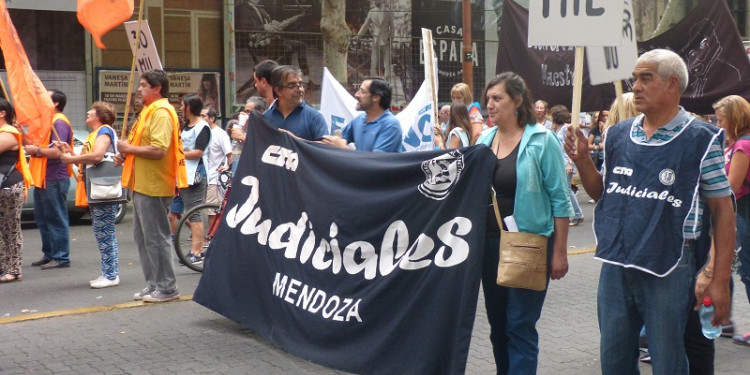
<point x="113" y="88"/>
<point x="383" y="42"/>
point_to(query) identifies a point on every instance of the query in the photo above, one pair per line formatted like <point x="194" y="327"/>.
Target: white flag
<point x="336" y="104"/>
<point x="417" y="120"/>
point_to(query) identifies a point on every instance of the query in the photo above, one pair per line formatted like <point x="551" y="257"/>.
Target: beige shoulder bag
<point x="523" y="257"/>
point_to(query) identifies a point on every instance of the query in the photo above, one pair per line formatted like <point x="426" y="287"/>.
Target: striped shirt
<point x="713" y="182"/>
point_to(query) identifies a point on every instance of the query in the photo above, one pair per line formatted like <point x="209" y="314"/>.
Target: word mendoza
<point x="358" y="256"/>
<point x="312" y="299"/>
<point x="633" y="191"/>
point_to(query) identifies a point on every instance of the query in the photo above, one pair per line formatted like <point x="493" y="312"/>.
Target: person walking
<point x="153" y="165"/>
<point x="664" y="169"/>
<point x="18" y="179"/>
<point x="101" y="140"/>
<point x="375" y="130"/>
<point x="52" y="181"/>
<point x="530" y="186"/>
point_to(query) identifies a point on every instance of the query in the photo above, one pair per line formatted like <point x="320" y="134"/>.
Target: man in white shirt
<point x="218" y="159"/>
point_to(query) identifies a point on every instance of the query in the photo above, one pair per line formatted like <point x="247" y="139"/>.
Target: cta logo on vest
<point x="623" y="171"/>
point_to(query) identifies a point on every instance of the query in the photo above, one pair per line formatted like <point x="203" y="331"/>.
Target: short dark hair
<point x="212" y="113"/>
<point x="157" y="77"/>
<point x="60" y="98"/>
<point x="193" y="103"/>
<point x="280" y="73"/>
<point x="381" y="87"/>
<point x="264" y="68"/>
<point x="516" y="88"/>
<point x="560" y="114"/>
<point x="10" y="114"/>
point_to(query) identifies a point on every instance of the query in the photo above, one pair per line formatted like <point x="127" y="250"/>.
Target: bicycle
<point x="183" y="234"/>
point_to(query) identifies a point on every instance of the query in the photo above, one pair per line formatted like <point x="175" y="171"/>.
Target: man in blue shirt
<point x="290" y="112"/>
<point x="375" y="130"/>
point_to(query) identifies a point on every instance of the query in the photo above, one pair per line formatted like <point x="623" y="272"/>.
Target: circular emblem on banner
<point x="441" y="174"/>
<point x="666" y="176"/>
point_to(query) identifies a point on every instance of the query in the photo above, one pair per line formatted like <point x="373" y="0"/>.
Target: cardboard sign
<point x="574" y="23"/>
<point x="607" y="64"/>
<point x="147" y="57"/>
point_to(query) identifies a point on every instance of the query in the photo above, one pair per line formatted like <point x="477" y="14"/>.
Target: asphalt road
<point x="53" y="323"/>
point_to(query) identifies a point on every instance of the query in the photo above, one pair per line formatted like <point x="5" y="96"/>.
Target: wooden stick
<point x="5" y="92"/>
<point x="577" y="89"/>
<point x="620" y="102"/>
<point x="132" y="70"/>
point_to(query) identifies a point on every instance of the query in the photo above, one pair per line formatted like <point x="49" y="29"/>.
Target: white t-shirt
<point x="218" y="148"/>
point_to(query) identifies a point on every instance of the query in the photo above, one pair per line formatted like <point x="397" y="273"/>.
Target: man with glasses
<point x="290" y="112"/>
<point x="375" y="130"/>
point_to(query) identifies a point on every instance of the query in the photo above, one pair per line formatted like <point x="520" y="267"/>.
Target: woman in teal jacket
<point x="531" y="186"/>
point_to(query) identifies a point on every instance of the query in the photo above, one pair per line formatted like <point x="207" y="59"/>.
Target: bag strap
<point x="496" y="207"/>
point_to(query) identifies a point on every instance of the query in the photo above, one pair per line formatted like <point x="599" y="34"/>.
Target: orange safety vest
<point x="38" y="166"/>
<point x="175" y="159"/>
<point x="21" y="165"/>
<point x="82" y="199"/>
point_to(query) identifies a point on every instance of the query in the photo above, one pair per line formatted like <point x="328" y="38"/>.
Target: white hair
<point x="669" y="64"/>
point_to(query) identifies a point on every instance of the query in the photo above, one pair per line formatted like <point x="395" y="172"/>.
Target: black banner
<point x="364" y="262"/>
<point x="707" y="39"/>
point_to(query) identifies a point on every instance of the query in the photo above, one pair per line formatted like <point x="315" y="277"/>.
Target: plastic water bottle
<point x="706" y="313"/>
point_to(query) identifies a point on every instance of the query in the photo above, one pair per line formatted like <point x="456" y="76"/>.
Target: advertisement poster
<point x="113" y="88"/>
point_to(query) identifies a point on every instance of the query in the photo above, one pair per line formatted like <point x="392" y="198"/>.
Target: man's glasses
<point x="295" y="85"/>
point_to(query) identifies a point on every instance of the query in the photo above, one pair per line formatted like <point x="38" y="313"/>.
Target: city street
<point x="53" y="323"/>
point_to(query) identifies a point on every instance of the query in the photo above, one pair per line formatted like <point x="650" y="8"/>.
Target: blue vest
<point x="649" y="190"/>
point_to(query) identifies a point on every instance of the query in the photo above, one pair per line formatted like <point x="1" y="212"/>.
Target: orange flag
<point x="33" y="105"/>
<point x="100" y="16"/>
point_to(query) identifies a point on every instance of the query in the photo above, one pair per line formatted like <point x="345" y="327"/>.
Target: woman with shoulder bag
<point x="100" y="143"/>
<point x="15" y="179"/>
<point x="532" y="191"/>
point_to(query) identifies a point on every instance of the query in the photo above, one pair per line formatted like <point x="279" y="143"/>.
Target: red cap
<point x="707" y="301"/>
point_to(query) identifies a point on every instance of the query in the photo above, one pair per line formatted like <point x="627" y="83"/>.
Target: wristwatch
<point x="38" y="152"/>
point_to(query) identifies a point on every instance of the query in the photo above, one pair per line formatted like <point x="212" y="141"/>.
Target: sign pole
<point x="577" y="89"/>
<point x="430" y="68"/>
<point x="136" y="42"/>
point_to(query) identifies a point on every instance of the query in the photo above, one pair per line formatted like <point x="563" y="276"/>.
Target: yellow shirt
<point x="153" y="177"/>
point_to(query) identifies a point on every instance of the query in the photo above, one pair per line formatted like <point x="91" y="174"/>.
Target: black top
<point x="504" y="183"/>
<point x="8" y="159"/>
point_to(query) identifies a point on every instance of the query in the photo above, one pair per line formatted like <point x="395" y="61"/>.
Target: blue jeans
<point x="628" y="298"/>
<point x="51" y="218"/>
<point x="577" y="213"/>
<point x="743" y="240"/>
<point x="512" y="314"/>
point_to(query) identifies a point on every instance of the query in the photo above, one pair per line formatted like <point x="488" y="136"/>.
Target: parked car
<point x="74" y="213"/>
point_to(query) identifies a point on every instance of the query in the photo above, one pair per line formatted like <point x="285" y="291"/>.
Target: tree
<point x="335" y="38"/>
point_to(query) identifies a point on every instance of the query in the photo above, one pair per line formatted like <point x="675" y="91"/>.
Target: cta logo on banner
<point x="574" y="23"/>
<point x="338" y="108"/>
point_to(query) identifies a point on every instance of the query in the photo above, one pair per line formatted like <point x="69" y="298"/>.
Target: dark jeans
<point x="512" y="314"/>
<point x="743" y="240"/>
<point x="51" y="218"/>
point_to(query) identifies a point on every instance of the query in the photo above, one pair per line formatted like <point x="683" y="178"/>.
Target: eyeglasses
<point x="295" y="85"/>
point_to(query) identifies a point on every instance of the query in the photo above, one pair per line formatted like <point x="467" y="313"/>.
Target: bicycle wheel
<point x="183" y="236"/>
